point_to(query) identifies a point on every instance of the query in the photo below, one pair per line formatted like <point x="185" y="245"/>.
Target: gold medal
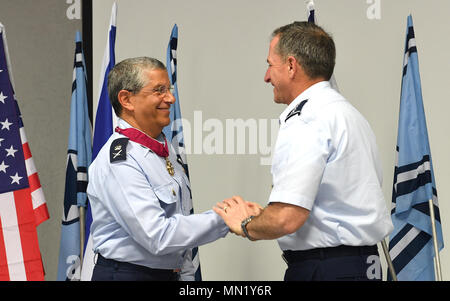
<point x="169" y="167"/>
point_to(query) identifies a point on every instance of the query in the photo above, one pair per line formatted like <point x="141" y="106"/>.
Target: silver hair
<point x="128" y="75"/>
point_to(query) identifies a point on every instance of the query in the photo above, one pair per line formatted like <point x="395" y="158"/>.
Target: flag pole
<point x="388" y="260"/>
<point x="435" y="243"/>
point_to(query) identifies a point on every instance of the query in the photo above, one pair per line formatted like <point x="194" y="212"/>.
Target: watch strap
<point x="244" y="227"/>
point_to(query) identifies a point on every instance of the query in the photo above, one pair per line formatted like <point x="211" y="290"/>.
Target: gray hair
<point x="311" y="46"/>
<point x="128" y="75"/>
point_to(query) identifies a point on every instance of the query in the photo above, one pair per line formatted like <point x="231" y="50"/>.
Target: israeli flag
<point x="102" y="131"/>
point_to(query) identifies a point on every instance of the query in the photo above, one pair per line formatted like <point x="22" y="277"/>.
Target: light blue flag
<point x="102" y="131"/>
<point x="174" y="131"/>
<point x="79" y="156"/>
<point x="411" y="243"/>
<point x="174" y="134"/>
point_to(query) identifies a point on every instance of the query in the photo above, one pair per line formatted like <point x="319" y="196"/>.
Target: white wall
<point x="222" y="54"/>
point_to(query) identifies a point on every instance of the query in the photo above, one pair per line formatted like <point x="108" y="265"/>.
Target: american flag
<point x="22" y="202"/>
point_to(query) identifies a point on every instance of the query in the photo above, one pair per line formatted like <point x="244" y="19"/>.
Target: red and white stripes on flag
<point x="21" y="211"/>
<point x="37" y="195"/>
<point x="20" y="257"/>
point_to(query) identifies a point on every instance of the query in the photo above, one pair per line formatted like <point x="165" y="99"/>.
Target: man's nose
<point x="169" y="97"/>
<point x="267" y="77"/>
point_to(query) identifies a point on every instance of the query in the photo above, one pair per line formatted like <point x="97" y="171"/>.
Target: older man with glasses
<point x="142" y="228"/>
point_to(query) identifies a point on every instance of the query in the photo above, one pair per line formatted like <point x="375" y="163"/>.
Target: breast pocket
<point x="167" y="196"/>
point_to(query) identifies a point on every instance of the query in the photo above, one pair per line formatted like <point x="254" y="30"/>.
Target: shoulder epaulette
<point x="118" y="150"/>
<point x="297" y="110"/>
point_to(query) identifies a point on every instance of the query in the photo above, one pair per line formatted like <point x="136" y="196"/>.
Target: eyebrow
<point x="155" y="86"/>
<point x="158" y="85"/>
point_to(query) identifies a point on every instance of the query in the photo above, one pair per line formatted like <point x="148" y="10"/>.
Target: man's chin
<point x="165" y="122"/>
<point x="281" y="100"/>
<point x="276" y="97"/>
<point x="277" y="100"/>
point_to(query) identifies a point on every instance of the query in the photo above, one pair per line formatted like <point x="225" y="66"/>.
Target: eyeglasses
<point x="163" y="90"/>
<point x="158" y="91"/>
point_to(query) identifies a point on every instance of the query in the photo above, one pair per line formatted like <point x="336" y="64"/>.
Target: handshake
<point x="236" y="210"/>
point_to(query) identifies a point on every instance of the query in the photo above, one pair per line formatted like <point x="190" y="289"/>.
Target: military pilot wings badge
<point x="297" y="110"/>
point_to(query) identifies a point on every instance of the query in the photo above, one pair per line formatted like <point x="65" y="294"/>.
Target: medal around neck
<point x="147" y="141"/>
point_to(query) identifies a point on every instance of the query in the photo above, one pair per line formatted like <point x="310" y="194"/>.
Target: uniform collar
<point x="305" y="95"/>
<point x="125" y="129"/>
<point x="125" y="125"/>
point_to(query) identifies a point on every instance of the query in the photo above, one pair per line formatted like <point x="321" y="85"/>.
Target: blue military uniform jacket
<point x="141" y="214"/>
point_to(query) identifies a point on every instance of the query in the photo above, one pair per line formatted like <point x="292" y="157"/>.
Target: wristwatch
<point x="244" y="227"/>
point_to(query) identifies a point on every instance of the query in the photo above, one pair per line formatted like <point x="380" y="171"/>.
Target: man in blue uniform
<point x="326" y="207"/>
<point x="140" y="195"/>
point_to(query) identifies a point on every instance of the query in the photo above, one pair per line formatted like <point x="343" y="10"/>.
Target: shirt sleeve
<point x="299" y="163"/>
<point x="135" y="206"/>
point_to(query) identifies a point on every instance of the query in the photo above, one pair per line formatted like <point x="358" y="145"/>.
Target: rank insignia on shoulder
<point x="297" y="110"/>
<point x="118" y="150"/>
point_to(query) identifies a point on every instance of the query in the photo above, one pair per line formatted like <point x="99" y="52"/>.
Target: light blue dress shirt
<point x="326" y="160"/>
<point x="141" y="213"/>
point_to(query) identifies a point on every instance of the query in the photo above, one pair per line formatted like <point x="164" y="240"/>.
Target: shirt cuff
<point x="290" y="198"/>
<point x="219" y="224"/>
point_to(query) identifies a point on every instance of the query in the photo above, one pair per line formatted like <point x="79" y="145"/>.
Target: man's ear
<point x="125" y="100"/>
<point x="292" y="66"/>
